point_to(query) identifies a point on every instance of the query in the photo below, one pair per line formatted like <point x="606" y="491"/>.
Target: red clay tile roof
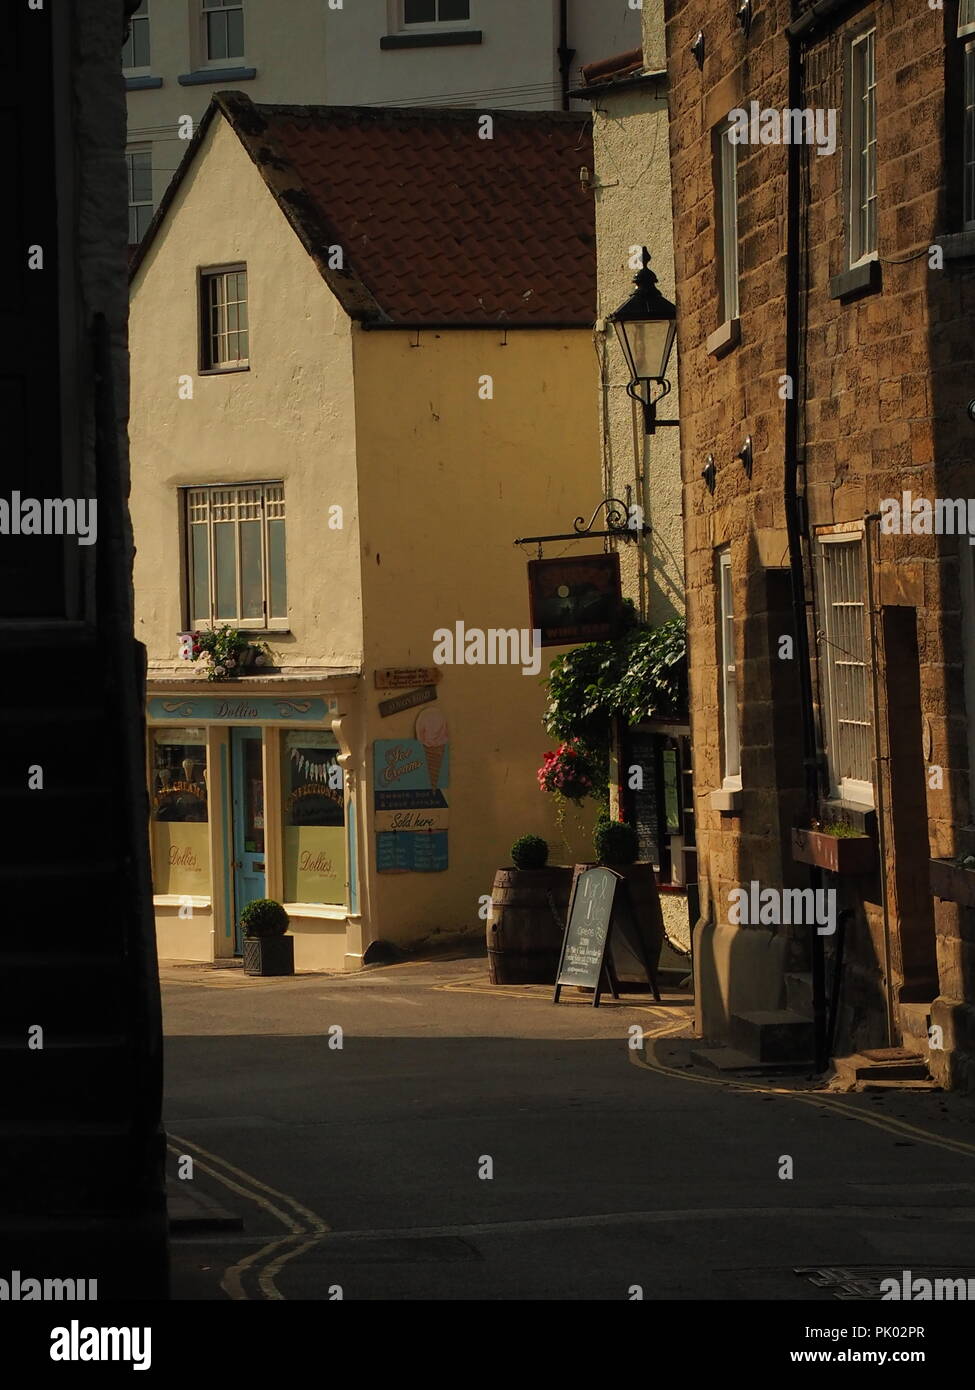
<point x="437" y="225"/>
<point x="622" y="65"/>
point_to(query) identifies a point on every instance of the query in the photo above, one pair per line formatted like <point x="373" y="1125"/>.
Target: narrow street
<point x="358" y="1167"/>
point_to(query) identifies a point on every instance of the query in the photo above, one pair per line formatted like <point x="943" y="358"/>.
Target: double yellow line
<point x="304" y="1226"/>
<point x="890" y="1123"/>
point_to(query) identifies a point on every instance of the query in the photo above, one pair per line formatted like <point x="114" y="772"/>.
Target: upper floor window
<point x="135" y="54"/>
<point x="436" y="11"/>
<point x="223" y="30"/>
<point x="236" y="555"/>
<point x="863" y="147"/>
<point x="726" y="189"/>
<point x="223" y="319"/>
<point x="843" y="656"/>
<point x="138" y="164"/>
<point x="731" y="737"/>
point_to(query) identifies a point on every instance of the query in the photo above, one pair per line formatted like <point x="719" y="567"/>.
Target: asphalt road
<point x="471" y="1142"/>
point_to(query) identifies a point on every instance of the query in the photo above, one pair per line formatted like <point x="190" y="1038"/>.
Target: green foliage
<point x="642" y="673"/>
<point x="529" y="852"/>
<point x="228" y="651"/>
<point x="840" y="830"/>
<point x="264" y="917"/>
<point x="616" y="842"/>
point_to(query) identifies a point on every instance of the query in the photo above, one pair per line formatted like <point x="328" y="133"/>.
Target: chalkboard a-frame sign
<point x="584" y="961"/>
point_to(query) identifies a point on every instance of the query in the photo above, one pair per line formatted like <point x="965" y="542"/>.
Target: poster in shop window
<point x="409" y="777"/>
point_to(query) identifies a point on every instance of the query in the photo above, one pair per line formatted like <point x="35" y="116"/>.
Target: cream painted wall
<point x="633" y="209"/>
<point x="290" y="417"/>
<point x="448" y="481"/>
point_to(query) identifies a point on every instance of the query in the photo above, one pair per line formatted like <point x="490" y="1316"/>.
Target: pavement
<point x="413" y="1132"/>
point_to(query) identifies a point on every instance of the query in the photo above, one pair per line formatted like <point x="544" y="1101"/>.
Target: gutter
<point x="820" y="14"/>
<point x="796" y="524"/>
<point x="619" y="84"/>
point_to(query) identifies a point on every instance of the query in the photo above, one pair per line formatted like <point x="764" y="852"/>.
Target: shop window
<point x="313" y="797"/>
<point x="179" y="809"/>
<point x="236" y="556"/>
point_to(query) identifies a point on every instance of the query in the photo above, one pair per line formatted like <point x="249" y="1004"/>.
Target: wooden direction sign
<point x="600" y="903"/>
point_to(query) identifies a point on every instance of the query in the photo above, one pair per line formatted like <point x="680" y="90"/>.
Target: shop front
<point x="249" y="799"/>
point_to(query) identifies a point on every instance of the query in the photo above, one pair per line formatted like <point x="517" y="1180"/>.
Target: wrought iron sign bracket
<point x="618" y="522"/>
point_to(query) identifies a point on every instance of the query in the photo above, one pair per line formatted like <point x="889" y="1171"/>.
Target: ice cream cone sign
<point x="431" y="730"/>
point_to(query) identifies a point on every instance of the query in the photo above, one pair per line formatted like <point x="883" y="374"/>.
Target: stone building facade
<point x="824" y="289"/>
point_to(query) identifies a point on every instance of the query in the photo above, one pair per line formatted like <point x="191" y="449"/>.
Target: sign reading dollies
<point x="411" y="810"/>
<point x="403" y="677"/>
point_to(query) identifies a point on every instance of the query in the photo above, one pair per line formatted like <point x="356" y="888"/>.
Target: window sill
<point x="725" y="338"/>
<point x="727" y="800"/>
<point x="958" y="246"/>
<point x="448" y="40"/>
<point x="142" y="84"/>
<point x="177" y="900"/>
<point x="865" y="278"/>
<point x="222" y="371"/>
<point x="204" y="75"/>
<point x="323" y="911"/>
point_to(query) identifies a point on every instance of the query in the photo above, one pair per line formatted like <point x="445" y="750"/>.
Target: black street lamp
<point x="646" y="325"/>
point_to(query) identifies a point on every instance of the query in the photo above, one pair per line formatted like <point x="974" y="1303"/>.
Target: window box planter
<point x="953" y="882"/>
<point x="840" y="854"/>
<point x="269" y="955"/>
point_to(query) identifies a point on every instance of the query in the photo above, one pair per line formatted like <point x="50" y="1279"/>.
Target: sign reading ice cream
<point x="415" y="842"/>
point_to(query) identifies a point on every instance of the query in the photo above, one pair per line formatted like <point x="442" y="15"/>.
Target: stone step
<point x="772" y="1035"/>
<point x="729" y="1059"/>
<point x="882" y="1064"/>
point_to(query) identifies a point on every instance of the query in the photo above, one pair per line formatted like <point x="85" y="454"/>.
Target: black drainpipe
<point x="794" y="529"/>
<point x="566" y="54"/>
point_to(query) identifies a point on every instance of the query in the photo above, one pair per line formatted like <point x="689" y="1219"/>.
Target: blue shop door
<point x="247" y="794"/>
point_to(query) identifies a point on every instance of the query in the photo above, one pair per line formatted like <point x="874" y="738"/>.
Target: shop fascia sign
<point x="240" y="709"/>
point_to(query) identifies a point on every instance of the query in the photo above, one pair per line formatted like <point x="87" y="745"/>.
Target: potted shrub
<point x="617" y="846"/>
<point x="267" y="951"/>
<point x="836" y="846"/>
<point x="529" y="903"/>
<point x="953" y="880"/>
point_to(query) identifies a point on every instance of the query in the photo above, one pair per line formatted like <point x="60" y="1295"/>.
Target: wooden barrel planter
<point x="642" y="883"/>
<point x="524" y="930"/>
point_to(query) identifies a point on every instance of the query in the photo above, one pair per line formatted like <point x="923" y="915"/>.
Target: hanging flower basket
<point x="568" y="772"/>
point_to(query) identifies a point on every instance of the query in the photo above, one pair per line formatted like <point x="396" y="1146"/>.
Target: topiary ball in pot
<point x="529" y="852"/>
<point x="616" y="842"/>
<point x="264" y="917"/>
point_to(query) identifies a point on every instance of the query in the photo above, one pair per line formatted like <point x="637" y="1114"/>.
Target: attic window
<point x="223" y="319"/>
<point x="223" y="22"/>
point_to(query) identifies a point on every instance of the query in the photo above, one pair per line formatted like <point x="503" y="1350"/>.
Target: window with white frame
<point x="436" y="11"/>
<point x="845" y="666"/>
<point x="236" y="555"/>
<point x="135" y="54"/>
<point x="223" y="319"/>
<point x="726" y="176"/>
<point x="223" y="30"/>
<point x="863" y="147"/>
<point x="138" y="164"/>
<point x="731" y="737"/>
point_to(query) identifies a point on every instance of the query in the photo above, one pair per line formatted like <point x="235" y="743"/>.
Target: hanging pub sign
<point x="575" y="599"/>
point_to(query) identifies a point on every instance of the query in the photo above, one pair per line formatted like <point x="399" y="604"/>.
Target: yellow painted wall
<point x="447" y="481"/>
<point x="290" y="417"/>
<point x="633" y="209"/>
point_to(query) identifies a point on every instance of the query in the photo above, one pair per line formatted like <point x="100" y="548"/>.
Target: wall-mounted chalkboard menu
<point x="587" y="931"/>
